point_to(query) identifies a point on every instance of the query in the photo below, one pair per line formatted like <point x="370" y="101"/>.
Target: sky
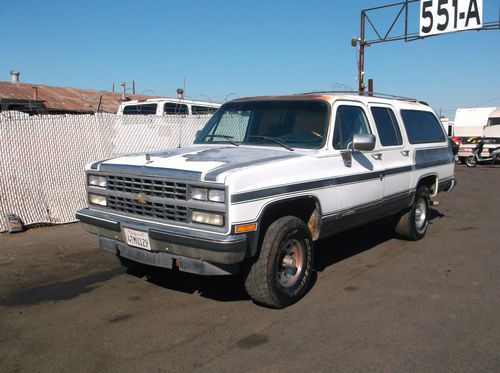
<point x="225" y="49"/>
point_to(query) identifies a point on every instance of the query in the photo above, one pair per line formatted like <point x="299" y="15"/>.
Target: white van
<point x="167" y="106"/>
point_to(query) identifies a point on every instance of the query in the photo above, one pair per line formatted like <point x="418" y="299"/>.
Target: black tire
<point x="462" y="160"/>
<point x="471" y="161"/>
<point x="413" y="224"/>
<point x="281" y="274"/>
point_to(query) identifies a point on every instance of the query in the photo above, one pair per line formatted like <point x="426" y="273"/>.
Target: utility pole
<point x="361" y="62"/>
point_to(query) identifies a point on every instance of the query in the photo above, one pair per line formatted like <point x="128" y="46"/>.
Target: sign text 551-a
<point x="439" y="16"/>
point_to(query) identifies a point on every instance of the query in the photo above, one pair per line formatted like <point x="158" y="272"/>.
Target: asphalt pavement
<point x="377" y="303"/>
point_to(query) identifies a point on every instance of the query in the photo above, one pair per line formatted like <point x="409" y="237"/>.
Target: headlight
<point x="216" y="195"/>
<point x="203" y="194"/>
<point x="98" y="181"/>
<point x="97" y="199"/>
<point x="199" y="194"/>
<point x="207" y="218"/>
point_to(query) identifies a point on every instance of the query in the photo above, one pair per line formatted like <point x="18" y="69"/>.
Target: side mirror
<point x="363" y="142"/>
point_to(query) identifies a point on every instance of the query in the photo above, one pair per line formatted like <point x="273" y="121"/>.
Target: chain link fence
<point x="42" y="157"/>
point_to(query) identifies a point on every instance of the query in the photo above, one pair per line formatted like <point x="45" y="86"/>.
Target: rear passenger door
<point x="395" y="157"/>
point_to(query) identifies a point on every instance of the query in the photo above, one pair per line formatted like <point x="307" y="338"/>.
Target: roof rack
<point x="368" y="94"/>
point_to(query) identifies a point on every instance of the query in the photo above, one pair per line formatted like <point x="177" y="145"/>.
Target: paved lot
<point x="378" y="304"/>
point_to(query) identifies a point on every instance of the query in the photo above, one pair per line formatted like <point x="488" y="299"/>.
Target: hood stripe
<point x="212" y="175"/>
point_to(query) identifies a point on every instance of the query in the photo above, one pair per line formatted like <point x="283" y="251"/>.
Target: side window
<point x="175" y="109"/>
<point x="422" y="126"/>
<point x="494" y="121"/>
<point x="349" y="120"/>
<point x="141" y="109"/>
<point x="202" y="110"/>
<point x="387" y="126"/>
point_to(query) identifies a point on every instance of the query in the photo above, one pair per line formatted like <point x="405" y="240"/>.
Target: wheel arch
<point x="305" y="207"/>
<point x="431" y="181"/>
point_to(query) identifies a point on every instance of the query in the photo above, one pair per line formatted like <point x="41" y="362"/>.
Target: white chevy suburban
<point x="267" y="177"/>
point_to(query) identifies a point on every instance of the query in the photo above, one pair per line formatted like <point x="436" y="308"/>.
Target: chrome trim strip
<point x="424" y="158"/>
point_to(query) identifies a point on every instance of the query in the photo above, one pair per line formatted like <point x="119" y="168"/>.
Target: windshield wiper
<point x="227" y="137"/>
<point x="274" y="139"/>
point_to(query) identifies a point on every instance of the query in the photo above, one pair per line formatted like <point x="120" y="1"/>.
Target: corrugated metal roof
<point x="65" y="98"/>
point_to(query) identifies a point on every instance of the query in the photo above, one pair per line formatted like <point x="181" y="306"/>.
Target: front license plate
<point x="137" y="238"/>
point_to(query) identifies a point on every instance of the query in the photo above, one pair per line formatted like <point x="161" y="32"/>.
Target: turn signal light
<point x="245" y="228"/>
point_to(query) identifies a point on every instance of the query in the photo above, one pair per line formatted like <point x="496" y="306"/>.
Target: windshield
<point x="296" y="124"/>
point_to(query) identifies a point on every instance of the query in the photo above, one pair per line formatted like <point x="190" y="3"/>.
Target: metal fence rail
<point x="42" y="157"/>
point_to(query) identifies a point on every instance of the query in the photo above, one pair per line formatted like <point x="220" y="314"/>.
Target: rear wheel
<point x="281" y="274"/>
<point x="471" y="161"/>
<point x="413" y="224"/>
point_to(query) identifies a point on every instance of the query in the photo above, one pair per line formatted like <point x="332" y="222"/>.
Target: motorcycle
<point x="476" y="156"/>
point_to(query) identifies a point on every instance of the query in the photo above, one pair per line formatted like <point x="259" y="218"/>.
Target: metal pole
<point x="406" y="21"/>
<point x="361" y="64"/>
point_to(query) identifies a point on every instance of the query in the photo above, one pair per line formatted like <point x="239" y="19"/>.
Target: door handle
<point x="406" y="153"/>
<point x="377" y="156"/>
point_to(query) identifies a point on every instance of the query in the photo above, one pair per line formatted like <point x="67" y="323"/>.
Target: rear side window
<point x="350" y="120"/>
<point x="202" y="110"/>
<point x="387" y="126"/>
<point x="422" y="127"/>
<point x="175" y="109"/>
<point x="141" y="109"/>
<point x="494" y="121"/>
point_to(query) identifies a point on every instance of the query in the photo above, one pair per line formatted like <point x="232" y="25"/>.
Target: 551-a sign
<point x="439" y="16"/>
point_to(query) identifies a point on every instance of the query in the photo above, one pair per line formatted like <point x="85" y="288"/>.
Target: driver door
<point x="360" y="184"/>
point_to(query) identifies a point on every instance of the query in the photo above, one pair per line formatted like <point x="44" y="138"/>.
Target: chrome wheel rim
<point x="421" y="215"/>
<point x="471" y="161"/>
<point x="290" y="263"/>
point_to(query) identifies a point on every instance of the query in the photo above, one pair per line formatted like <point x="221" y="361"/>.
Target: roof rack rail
<point x="368" y="94"/>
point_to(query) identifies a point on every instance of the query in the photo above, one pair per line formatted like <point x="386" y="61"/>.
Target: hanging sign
<point x="440" y="16"/>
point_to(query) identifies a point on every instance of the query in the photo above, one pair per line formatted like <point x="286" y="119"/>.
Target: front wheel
<point x="413" y="224"/>
<point x="281" y="274"/>
<point x="471" y="161"/>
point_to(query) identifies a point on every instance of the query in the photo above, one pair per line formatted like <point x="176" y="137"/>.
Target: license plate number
<point x="137" y="238"/>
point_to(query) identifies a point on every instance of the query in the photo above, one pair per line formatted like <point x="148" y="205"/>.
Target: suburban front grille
<point x="149" y="209"/>
<point x="146" y="186"/>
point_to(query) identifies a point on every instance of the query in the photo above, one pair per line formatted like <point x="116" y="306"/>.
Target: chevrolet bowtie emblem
<point x="140" y="198"/>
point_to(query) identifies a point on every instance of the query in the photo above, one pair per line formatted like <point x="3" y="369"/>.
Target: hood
<point x="200" y="163"/>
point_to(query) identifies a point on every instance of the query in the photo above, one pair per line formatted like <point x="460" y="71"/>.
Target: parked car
<point x="266" y="178"/>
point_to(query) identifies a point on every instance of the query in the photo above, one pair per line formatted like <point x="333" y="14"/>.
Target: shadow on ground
<point x="57" y="291"/>
<point x="231" y="288"/>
